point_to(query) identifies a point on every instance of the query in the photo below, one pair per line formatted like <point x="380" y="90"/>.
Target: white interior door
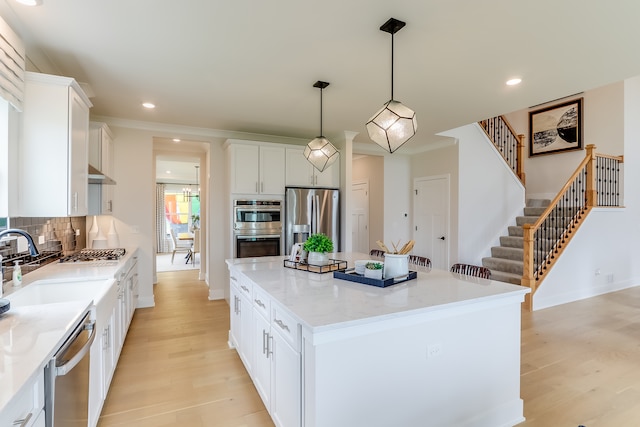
<point x="360" y="217"/>
<point x="431" y="219"/>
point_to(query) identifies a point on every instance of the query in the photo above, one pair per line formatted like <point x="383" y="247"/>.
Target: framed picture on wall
<point x="556" y="129"/>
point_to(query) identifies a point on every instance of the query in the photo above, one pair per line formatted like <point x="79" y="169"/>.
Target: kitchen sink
<point x="52" y="292"/>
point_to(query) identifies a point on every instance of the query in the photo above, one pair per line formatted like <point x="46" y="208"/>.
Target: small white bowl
<point x="359" y="265"/>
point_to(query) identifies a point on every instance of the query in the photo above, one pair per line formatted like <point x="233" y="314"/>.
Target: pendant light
<point x="188" y="192"/>
<point x="394" y="124"/>
<point x="320" y="152"/>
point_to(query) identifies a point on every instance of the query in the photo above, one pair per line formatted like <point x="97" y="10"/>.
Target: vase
<point x="93" y="232"/>
<point x="318" y="258"/>
<point x="396" y="265"/>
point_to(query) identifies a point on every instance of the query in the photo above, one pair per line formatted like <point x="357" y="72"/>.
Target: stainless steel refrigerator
<point x="309" y="211"/>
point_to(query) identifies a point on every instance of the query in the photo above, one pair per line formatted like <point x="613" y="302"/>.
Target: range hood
<point x="97" y="177"/>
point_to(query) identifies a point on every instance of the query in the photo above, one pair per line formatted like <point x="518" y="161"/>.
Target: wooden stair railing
<point x="508" y="143"/>
<point x="595" y="183"/>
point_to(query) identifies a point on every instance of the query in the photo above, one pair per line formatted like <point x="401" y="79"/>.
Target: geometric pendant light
<point x="189" y="193"/>
<point x="394" y="124"/>
<point x="320" y="152"/>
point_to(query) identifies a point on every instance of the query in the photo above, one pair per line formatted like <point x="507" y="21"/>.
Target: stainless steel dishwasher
<point x="66" y="378"/>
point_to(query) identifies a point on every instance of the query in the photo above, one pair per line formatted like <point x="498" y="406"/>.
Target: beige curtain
<point x="161" y="222"/>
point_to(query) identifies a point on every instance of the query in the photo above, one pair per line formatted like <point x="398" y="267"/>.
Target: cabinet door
<point x="245" y="175"/>
<point x="330" y="177"/>
<point x="298" y="170"/>
<point x="272" y="170"/>
<point x="285" y="383"/>
<point x="96" y="380"/>
<point x="78" y="154"/>
<point x="108" y="353"/>
<point x="263" y="344"/>
<point x="234" y="313"/>
<point x="245" y="348"/>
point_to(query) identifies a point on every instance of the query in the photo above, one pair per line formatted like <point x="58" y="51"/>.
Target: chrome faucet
<point x="33" y="251"/>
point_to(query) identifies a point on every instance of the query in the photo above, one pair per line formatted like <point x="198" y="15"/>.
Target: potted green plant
<point x="373" y="270"/>
<point x="318" y="246"/>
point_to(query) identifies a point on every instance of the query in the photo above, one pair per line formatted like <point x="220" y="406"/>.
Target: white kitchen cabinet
<point x="27" y="407"/>
<point x="241" y="321"/>
<point x="277" y="363"/>
<point x="101" y="362"/>
<point x="256" y="169"/>
<point x="54" y="141"/>
<point x="101" y="158"/>
<point x="301" y="173"/>
<point x="9" y="164"/>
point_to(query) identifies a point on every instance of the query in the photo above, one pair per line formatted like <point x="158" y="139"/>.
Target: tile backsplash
<point x="59" y="235"/>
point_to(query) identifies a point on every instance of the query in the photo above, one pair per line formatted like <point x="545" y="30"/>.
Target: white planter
<point x="318" y="258"/>
<point x="373" y="274"/>
<point x="396" y="265"/>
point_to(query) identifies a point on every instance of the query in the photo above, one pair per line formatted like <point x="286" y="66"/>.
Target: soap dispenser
<point x="17" y="274"/>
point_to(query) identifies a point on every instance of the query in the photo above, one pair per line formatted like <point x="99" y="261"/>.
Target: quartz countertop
<point x="31" y="334"/>
<point x="322" y="302"/>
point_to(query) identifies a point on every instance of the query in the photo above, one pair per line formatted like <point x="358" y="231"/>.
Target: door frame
<point x="447" y="180"/>
<point x="365" y="182"/>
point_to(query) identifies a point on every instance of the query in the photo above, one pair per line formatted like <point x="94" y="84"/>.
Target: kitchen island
<point x="440" y="350"/>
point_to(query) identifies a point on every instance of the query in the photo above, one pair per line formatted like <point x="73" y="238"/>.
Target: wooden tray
<point x="334" y="265"/>
<point x="352" y="276"/>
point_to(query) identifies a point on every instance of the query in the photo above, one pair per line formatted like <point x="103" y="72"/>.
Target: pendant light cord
<point x="321" y="134"/>
<point x="392" y="66"/>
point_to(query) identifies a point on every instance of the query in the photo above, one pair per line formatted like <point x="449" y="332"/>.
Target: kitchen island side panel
<point x="461" y="369"/>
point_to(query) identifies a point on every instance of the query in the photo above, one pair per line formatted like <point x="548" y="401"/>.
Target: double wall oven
<point x="257" y="228"/>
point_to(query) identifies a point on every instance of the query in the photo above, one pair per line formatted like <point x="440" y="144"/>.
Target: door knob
<point x="442" y="238"/>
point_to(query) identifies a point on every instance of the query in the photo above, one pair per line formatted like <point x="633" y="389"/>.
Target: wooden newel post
<point x="520" y="165"/>
<point x="592" y="192"/>
<point x="527" y="272"/>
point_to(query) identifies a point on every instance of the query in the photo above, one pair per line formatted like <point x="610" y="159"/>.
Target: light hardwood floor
<point x="580" y="364"/>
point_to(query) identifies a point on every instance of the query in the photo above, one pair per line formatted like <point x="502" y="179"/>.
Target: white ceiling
<point x="249" y="66"/>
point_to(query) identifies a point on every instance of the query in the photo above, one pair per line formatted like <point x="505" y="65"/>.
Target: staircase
<point x="507" y="260"/>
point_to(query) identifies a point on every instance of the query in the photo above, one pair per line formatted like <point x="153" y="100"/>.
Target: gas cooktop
<point x="95" y="255"/>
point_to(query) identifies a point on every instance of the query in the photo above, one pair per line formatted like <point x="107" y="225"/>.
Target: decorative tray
<point x="334" y="265"/>
<point x="352" y="276"/>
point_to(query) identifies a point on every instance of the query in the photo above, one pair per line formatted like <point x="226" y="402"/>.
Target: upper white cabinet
<point x="256" y="169"/>
<point x="54" y="147"/>
<point x="9" y="165"/>
<point x="101" y="158"/>
<point x="302" y="173"/>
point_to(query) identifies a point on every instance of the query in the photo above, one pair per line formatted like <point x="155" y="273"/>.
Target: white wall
<point x="490" y="196"/>
<point x="397" y="198"/>
<point x="134" y="206"/>
<point x="603" y="126"/>
<point x="601" y="257"/>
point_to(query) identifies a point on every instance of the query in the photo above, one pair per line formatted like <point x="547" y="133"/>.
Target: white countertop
<point x="30" y="335"/>
<point x="322" y="302"/>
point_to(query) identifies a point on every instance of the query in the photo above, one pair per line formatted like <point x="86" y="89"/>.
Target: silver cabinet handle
<point x="264" y="341"/>
<point x="233" y="278"/>
<point x="260" y="303"/>
<point x="23" y="422"/>
<point x="244" y="288"/>
<point x="256" y="186"/>
<point x="269" y="345"/>
<point x="262" y="186"/>
<point x="282" y="325"/>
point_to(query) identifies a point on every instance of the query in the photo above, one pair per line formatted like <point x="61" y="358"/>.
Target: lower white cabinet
<point x="27" y="407"/>
<point x="241" y="318"/>
<point x="277" y="364"/>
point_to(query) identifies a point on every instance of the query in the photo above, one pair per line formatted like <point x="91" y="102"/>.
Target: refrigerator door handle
<point x="316" y="212"/>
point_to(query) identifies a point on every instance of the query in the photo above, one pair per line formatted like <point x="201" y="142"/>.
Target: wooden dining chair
<point x="376" y="252"/>
<point x="471" y="270"/>
<point x="420" y="261"/>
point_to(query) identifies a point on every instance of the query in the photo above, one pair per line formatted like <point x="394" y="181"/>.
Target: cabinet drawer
<point x="28" y="403"/>
<point x="244" y="286"/>
<point x="262" y="303"/>
<point x="286" y="326"/>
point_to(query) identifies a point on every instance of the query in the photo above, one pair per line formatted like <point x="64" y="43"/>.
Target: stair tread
<point x="502" y="276"/>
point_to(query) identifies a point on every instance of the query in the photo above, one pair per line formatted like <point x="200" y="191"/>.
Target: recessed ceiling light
<point x="176" y="139"/>
<point x="148" y="105"/>
<point x="514" y="81"/>
<point x="168" y="172"/>
<point x="30" y="2"/>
